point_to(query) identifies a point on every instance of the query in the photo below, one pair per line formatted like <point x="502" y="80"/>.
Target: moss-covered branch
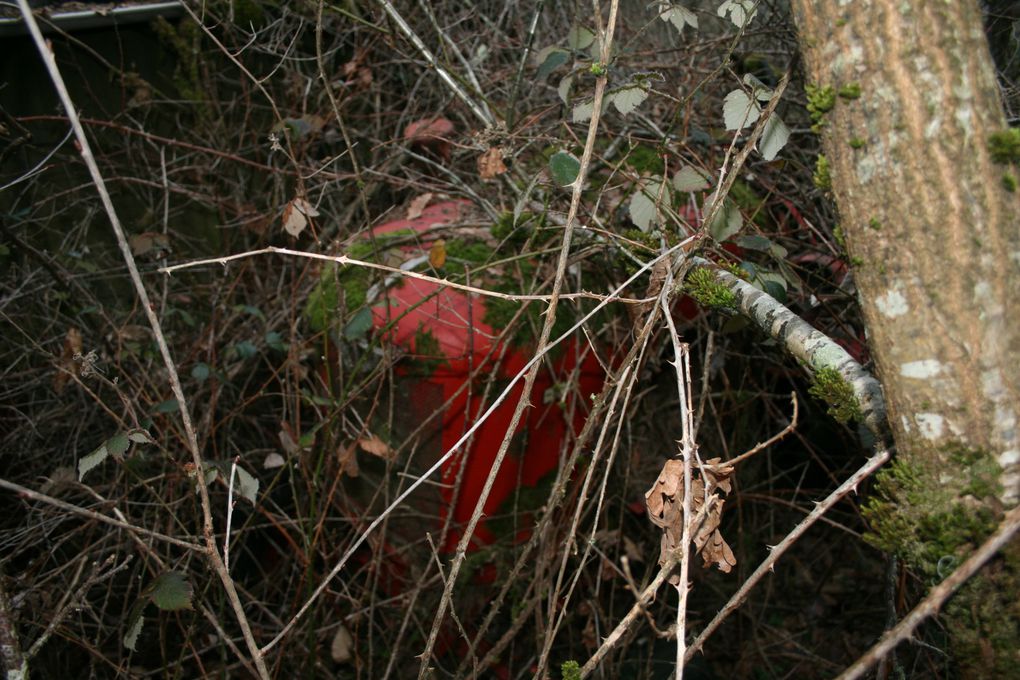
<point x="822" y="355"/>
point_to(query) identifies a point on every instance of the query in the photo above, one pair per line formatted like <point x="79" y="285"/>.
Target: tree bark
<point x="930" y="226"/>
<point x="906" y="101"/>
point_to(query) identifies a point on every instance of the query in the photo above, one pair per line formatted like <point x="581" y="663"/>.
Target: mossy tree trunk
<point x="908" y="109"/>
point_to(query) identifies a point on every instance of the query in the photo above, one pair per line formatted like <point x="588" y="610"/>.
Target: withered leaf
<point x="66" y="365"/>
<point x="375" y="446"/>
<point x="437" y="254"/>
<point x="490" y="163"/>
<point x="418" y="205"/>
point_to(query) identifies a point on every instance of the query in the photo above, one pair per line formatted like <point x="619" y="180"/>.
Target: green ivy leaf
<point x="564" y="168"/>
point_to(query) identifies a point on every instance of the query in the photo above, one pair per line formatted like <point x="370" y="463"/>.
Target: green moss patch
<point x="832" y="388"/>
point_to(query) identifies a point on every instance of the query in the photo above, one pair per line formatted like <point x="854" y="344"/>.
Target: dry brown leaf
<point x="149" y="243"/>
<point x="432" y="134"/>
<point x="418" y="205"/>
<point x="490" y="163"/>
<point x="348" y="461"/>
<point x="66" y="365"/>
<point x="665" y="509"/>
<point x="437" y="254"/>
<point x="296" y="214"/>
<point x="288" y="440"/>
<point x="376" y="447"/>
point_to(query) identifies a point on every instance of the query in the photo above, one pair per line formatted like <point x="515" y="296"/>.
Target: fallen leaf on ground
<point x="437" y="254"/>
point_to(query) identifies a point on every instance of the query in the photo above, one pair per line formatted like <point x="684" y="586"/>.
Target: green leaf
<point x="564" y="168"/>
<point x="583" y="111"/>
<point x="690" y="178"/>
<point x="644" y="211"/>
<point x="359" y="325"/>
<point x="134" y="629"/>
<point x="754" y="242"/>
<point x="245" y="349"/>
<point x="140" y="437"/>
<point x="773" y="137"/>
<point x="168" y="406"/>
<point x="246" y="485"/>
<point x="171" y="591"/>
<point x="679" y="16"/>
<point x="739" y="110"/>
<point x="741" y="12"/>
<point x="726" y="222"/>
<point x="92" y="460"/>
<point x="550" y="59"/>
<point x="564" y="88"/>
<point x="200" y="372"/>
<point x="118" y="445"/>
<point x="628" y="99"/>
<point x="248" y="309"/>
<point x="275" y="341"/>
<point x="579" y="37"/>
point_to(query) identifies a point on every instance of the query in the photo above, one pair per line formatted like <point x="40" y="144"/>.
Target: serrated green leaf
<point x="564" y="88"/>
<point x="564" y="167"/>
<point x="726" y="222"/>
<point x="550" y="59"/>
<point x="171" y="591"/>
<point x="246" y="485"/>
<point x="583" y="111"/>
<point x="773" y="137"/>
<point x="118" y="445"/>
<point x="579" y="37"/>
<point x="679" y="16"/>
<point x="628" y="99"/>
<point x="690" y="178"/>
<point x="134" y="628"/>
<point x="91" y="460"/>
<point x="643" y="208"/>
<point x="739" y="110"/>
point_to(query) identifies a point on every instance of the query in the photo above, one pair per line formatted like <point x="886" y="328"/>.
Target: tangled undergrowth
<point x="242" y="126"/>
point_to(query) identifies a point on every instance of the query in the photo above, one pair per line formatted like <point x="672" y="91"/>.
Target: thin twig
<point x="74" y="509"/>
<point x="931" y="604"/>
<point x="444" y="75"/>
<point x="771" y="440"/>
<point x="97" y="179"/>
<point x="344" y="260"/>
<point x="767" y="565"/>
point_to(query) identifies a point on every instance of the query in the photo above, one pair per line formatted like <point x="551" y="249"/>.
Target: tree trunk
<point x="907" y="104"/>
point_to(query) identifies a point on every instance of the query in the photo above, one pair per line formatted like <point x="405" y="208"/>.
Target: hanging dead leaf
<point x="348" y="461"/>
<point x="437" y="254"/>
<point x="150" y="243"/>
<point x="490" y="163"/>
<point x="376" y="447"/>
<point x="66" y="365"/>
<point x="288" y="440"/>
<point x="418" y="205"/>
<point x="296" y="214"/>
<point x="665" y="509"/>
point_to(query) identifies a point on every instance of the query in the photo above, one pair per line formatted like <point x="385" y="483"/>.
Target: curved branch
<point x="803" y="341"/>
